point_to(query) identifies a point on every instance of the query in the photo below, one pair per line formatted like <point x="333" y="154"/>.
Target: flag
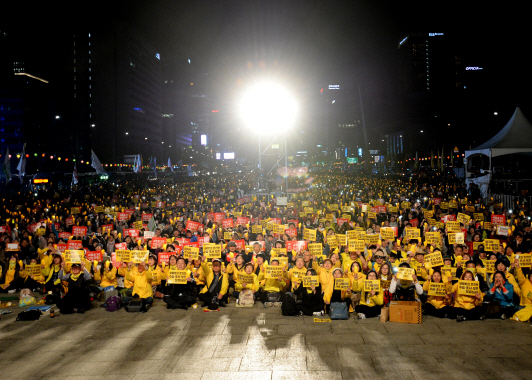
<point x="431" y="159"/>
<point x="74" y="176"/>
<point x="155" y="165"/>
<point x="96" y="164"/>
<point x="7" y="166"/>
<point x="136" y="164"/>
<point x="22" y="163"/>
<point x="170" y="164"/>
<point x="151" y="224"/>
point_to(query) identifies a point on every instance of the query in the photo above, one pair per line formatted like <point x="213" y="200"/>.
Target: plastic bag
<point x="26" y="301"/>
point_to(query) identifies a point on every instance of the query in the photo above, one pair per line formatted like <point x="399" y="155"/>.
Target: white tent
<point x="515" y="137"/>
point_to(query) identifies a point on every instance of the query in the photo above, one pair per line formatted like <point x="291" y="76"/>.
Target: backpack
<point x="113" y="303"/>
<point x="339" y="310"/>
<point x="29" y="315"/>
<point x="246" y="298"/>
<point x="288" y="307"/>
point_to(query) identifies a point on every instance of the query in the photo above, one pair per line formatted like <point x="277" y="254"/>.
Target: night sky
<point x="308" y="43"/>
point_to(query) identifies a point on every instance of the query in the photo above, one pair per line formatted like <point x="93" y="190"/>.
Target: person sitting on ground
<point x="370" y="302"/>
<point x="142" y="288"/>
<point x="77" y="300"/>
<point x="467" y="307"/>
<point x="502" y="292"/>
<point x="272" y="291"/>
<point x="181" y="296"/>
<point x="405" y="290"/>
<point x="438" y="306"/>
<point x="311" y="298"/>
<point x="215" y="291"/>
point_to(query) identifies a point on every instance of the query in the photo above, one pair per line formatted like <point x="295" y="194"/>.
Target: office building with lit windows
<point x="127" y="91"/>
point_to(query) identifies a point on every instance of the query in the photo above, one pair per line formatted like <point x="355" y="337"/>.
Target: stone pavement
<point x="257" y="343"/>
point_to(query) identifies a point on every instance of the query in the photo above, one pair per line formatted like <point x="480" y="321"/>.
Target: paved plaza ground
<point x="257" y="343"/>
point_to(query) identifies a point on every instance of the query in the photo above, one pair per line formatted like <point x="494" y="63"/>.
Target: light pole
<point x="269" y="109"/>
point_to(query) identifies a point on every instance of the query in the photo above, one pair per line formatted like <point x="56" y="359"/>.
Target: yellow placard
<point x="453" y="226"/>
<point x="387" y="233"/>
<point x="468" y="288"/>
<point x="491" y="245"/>
<point x="273" y="271"/>
<point x="245" y="278"/>
<point x="309" y="281"/>
<point x="372" y="215"/>
<point x="33" y="269"/>
<point x="444" y="205"/>
<point x="309" y="234"/>
<point x="412" y="233"/>
<point x="352" y="235"/>
<point x="463" y="218"/>
<point x="453" y="204"/>
<point x="256" y="229"/>
<point x="341" y="283"/>
<point x="98" y="209"/>
<point x="372" y="238"/>
<point x="318" y="320"/>
<point x="74" y="210"/>
<point x="488" y="226"/>
<point x="191" y="252"/>
<point x="177" y="276"/>
<point x="490" y="266"/>
<point x="433" y="238"/>
<point x="283" y="260"/>
<point x="139" y="256"/>
<point x="138" y="225"/>
<point x="372" y="285"/>
<point x="405" y="273"/>
<point x="212" y="251"/>
<point x="437" y="289"/>
<point x="123" y="256"/>
<point x="525" y="260"/>
<point x="456" y="237"/>
<point x="332" y="241"/>
<point x="342" y="239"/>
<point x="277" y="251"/>
<point x="356" y="245"/>
<point x="478" y="216"/>
<point x="428" y="214"/>
<point x="74" y="256"/>
<point x="228" y="235"/>
<point x="435" y="259"/>
<point x="315" y="249"/>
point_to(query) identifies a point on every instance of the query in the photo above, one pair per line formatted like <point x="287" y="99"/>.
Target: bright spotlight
<point x="268" y="107"/>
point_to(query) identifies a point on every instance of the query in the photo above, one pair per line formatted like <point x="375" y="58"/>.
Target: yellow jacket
<point x="253" y="286"/>
<point x="209" y="276"/>
<point x="271" y="284"/>
<point x="141" y="283"/>
<point x="328" y="292"/>
<point x="465" y="302"/>
<point x="296" y="276"/>
<point x="200" y="280"/>
<point x="366" y="298"/>
<point x="325" y="275"/>
<point x="526" y="288"/>
<point x="437" y="301"/>
<point x="123" y="272"/>
<point x="356" y="284"/>
<point x="108" y="278"/>
<point x="157" y="275"/>
<point x="234" y="270"/>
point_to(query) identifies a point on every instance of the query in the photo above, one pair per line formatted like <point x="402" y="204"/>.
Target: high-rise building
<point x="127" y="92"/>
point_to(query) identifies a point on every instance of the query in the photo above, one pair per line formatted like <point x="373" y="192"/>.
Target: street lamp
<point x="269" y="109"/>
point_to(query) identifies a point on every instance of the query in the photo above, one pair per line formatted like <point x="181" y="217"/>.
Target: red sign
<point x="164" y="257"/>
<point x="437" y="201"/>
<point x="340" y="222"/>
<point x="122" y="217"/>
<point x="414" y="222"/>
<point x="121" y="247"/>
<point x="218" y="217"/>
<point x="210" y="215"/>
<point x="74" y="244"/>
<point x="240" y="244"/>
<point x="107" y="227"/>
<point x="276" y="220"/>
<point x="144" y="205"/>
<point x="498" y="220"/>
<point x="180" y="203"/>
<point x="94" y="255"/>
<point x="129" y="211"/>
<point x="61" y="247"/>
<point x="382" y="209"/>
<point x="240" y="201"/>
<point x="146" y="217"/>
<point x="131" y="232"/>
<point x="159" y="204"/>
<point x="203" y="240"/>
<point x="65" y="235"/>
<point x="227" y="223"/>
<point x="192" y="226"/>
<point x="157" y="242"/>
<point x="291" y="231"/>
<point x="69" y="221"/>
<point x="195" y="244"/>
<point x="296" y="246"/>
<point x="79" y="231"/>
<point x="242" y="221"/>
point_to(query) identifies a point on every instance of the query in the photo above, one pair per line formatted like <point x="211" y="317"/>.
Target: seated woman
<point x="370" y="302"/>
<point x="181" y="296"/>
<point x="14" y="277"/>
<point x="272" y="288"/>
<point x="157" y="274"/>
<point x="502" y="291"/>
<point x="240" y="285"/>
<point x="385" y="276"/>
<point x="235" y="267"/>
<point x="311" y="298"/>
<point x="51" y="275"/>
<point x="405" y="290"/>
<point x="77" y="300"/>
<point x="356" y="280"/>
<point x="438" y="306"/>
<point x="199" y="277"/>
<point x="141" y="280"/>
<point x="105" y="275"/>
<point x="336" y="295"/>
<point x="467" y="307"/>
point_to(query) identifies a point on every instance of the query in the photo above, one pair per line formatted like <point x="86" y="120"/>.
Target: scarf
<point x="75" y="276"/>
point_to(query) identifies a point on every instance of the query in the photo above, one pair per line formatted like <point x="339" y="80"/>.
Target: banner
<point x="437" y="289"/>
<point x="212" y="251"/>
<point x="273" y="271"/>
<point x="177" y="276"/>
<point x="310" y="281"/>
<point x="73" y="256"/>
<point x="139" y="256"/>
<point x="468" y="288"/>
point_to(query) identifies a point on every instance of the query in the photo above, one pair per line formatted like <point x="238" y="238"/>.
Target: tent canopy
<point x="515" y="137"/>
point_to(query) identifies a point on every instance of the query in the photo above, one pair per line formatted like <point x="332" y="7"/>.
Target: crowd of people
<point x="357" y="241"/>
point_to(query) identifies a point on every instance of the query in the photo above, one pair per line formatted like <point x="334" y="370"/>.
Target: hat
<point x="419" y="251"/>
<point x="447" y="257"/>
<point x="76" y="265"/>
<point x="231" y="244"/>
<point x="216" y="260"/>
<point x="340" y="269"/>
